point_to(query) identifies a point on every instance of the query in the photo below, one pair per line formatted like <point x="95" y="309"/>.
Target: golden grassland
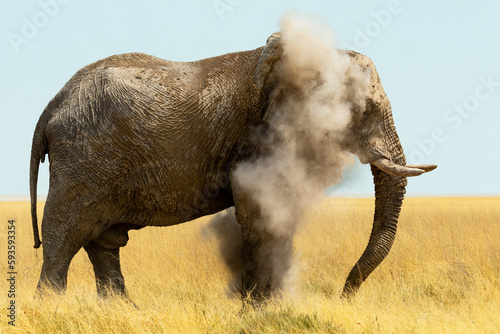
<point x="441" y="276"/>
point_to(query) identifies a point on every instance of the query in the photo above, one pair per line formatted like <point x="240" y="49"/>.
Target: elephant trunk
<point x="389" y="195"/>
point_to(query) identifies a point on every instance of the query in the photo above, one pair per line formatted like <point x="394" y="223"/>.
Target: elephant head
<point x="370" y="134"/>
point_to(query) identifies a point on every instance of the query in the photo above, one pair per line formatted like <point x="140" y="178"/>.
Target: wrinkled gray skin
<point x="135" y="141"/>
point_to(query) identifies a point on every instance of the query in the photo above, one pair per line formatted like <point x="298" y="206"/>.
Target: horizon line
<point x="41" y="197"/>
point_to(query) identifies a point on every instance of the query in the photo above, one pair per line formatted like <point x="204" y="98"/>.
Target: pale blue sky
<point x="438" y="61"/>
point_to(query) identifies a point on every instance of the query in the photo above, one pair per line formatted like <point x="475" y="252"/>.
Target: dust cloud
<point x="304" y="147"/>
<point x="227" y="231"/>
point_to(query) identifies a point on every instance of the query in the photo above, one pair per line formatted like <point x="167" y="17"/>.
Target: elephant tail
<point x="39" y="148"/>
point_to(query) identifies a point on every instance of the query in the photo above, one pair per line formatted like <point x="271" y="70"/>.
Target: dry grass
<point x="442" y="276"/>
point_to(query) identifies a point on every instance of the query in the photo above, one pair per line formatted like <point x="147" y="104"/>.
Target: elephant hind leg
<point x="58" y="251"/>
<point x="107" y="270"/>
<point x="54" y="274"/>
<point x="104" y="254"/>
<point x="62" y="239"/>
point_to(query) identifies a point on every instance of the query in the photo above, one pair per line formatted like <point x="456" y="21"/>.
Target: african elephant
<point x="135" y="141"/>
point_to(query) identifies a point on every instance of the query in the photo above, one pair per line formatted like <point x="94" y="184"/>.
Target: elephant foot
<point x="109" y="287"/>
<point x="113" y="295"/>
<point x="46" y="286"/>
<point x="252" y="305"/>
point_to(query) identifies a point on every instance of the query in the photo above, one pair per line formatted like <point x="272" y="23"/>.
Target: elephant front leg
<point x="267" y="260"/>
<point x="267" y="255"/>
<point x="107" y="270"/>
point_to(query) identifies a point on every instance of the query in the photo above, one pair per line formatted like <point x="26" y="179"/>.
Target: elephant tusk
<point x="425" y="168"/>
<point x="405" y="171"/>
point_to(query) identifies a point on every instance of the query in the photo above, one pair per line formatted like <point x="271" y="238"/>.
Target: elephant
<point x="134" y="140"/>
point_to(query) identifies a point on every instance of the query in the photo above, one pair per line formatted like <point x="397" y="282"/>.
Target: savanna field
<point x="441" y="276"/>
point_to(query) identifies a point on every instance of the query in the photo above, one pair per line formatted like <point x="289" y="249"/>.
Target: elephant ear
<point x="268" y="58"/>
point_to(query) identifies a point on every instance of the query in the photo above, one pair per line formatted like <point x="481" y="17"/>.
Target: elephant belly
<point x="170" y="198"/>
